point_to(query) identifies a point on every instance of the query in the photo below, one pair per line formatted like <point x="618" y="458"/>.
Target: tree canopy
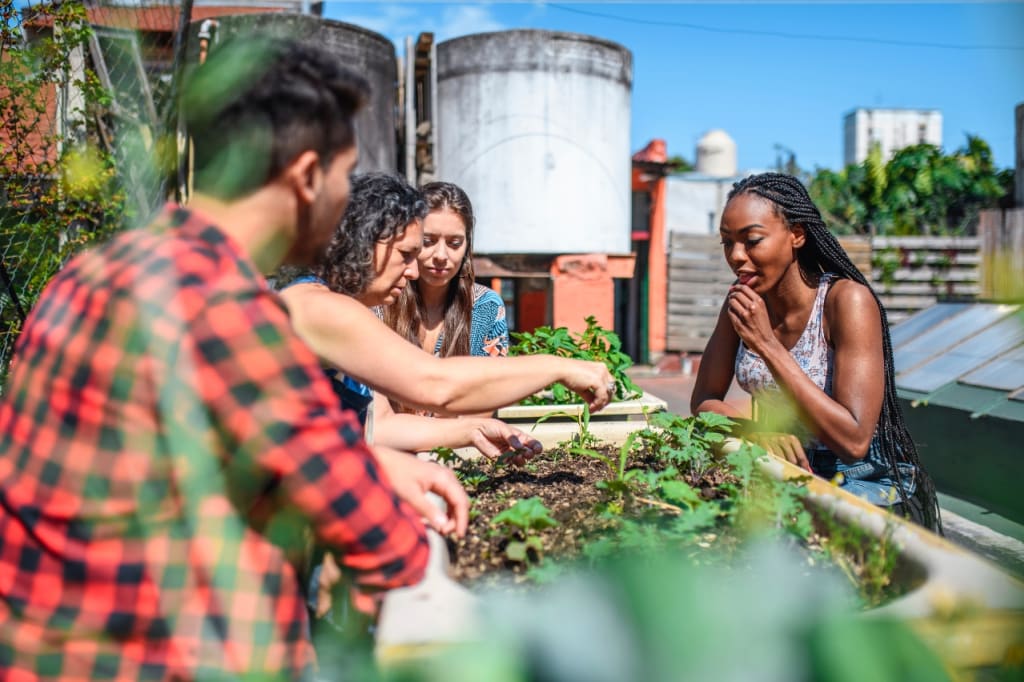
<point x="919" y="190"/>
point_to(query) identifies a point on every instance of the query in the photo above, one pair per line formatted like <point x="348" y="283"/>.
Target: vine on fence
<point x="59" y="182"/>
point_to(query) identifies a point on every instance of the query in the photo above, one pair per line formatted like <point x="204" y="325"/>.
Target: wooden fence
<point x="909" y="273"/>
<point x="1002" y="253"/>
<point x="698" y="280"/>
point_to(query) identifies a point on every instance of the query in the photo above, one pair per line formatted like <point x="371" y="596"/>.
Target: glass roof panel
<point x="1005" y="373"/>
<point x="965" y="356"/>
<point x="949" y="333"/>
<point x="922" y="320"/>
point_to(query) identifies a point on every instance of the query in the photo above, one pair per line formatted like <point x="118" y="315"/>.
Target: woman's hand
<point x="749" y="318"/>
<point x="784" y="445"/>
<point x="589" y="380"/>
<point x="495" y="438"/>
<point x="412" y="479"/>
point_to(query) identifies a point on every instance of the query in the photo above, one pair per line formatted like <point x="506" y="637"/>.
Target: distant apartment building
<point x="891" y="129"/>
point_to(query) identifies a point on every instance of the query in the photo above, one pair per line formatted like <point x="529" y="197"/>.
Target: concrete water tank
<point x="534" y="125"/>
<point x="716" y="154"/>
<point x="369" y="54"/>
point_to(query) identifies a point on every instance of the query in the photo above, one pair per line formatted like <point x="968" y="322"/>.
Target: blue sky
<point x="766" y="89"/>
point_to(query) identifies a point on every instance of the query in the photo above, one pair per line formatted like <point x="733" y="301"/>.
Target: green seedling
<point x="446" y="456"/>
<point x="583" y="437"/>
<point x="526" y="519"/>
<point x="595" y="343"/>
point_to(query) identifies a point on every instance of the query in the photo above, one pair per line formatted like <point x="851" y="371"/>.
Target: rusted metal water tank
<point x="367" y="53"/>
<point x="534" y="125"/>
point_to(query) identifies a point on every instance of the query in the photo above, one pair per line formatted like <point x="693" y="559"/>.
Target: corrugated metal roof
<point x="964" y="356"/>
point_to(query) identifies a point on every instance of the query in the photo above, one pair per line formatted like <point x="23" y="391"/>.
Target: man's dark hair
<point x="380" y="207"/>
<point x="821" y="253"/>
<point x="257" y="103"/>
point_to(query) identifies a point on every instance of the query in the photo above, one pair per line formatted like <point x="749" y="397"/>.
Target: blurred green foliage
<point x="659" y="617"/>
<point x="919" y="190"/>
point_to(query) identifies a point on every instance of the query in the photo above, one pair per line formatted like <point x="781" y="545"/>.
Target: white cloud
<point x="465" y="19"/>
<point x="393" y="21"/>
<point x="398" y="21"/>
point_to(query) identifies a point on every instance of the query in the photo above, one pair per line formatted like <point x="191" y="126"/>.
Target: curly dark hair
<point x="260" y="101"/>
<point x="379" y="209"/>
<point x="822" y="253"/>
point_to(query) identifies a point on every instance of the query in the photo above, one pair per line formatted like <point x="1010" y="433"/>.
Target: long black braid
<point x="820" y="253"/>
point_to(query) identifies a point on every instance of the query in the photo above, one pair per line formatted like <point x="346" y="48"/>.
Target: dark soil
<point x="565" y="483"/>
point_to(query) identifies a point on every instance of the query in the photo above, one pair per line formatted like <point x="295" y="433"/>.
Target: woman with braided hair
<point x="804" y="333"/>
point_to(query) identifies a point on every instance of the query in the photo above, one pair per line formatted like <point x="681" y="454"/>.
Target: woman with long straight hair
<point x="804" y="333"/>
<point x="445" y="312"/>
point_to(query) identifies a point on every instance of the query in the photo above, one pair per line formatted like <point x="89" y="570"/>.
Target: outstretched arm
<point x="345" y="334"/>
<point x="415" y="433"/>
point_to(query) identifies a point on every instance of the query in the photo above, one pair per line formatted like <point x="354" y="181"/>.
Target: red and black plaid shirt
<point x="164" y="438"/>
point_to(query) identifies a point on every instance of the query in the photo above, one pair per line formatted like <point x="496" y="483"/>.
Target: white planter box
<point x="623" y="409"/>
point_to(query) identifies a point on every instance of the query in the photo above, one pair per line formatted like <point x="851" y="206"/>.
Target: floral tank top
<point x="811" y="352"/>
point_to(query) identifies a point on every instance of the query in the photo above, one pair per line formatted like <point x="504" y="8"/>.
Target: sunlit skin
<point x="444" y="248"/>
<point x="394" y="266"/>
<point x="768" y="308"/>
<point x="316" y="223"/>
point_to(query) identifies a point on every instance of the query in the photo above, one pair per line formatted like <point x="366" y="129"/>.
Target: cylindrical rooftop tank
<point x="716" y="154"/>
<point x="368" y="54"/>
<point x="534" y="125"/>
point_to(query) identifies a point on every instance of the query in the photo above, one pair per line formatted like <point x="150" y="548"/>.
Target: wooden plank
<point x="699" y="309"/>
<point x="713" y="298"/>
<point x="684" y="278"/>
<point x="908" y="302"/>
<point x="927" y="274"/>
<point x="960" y="290"/>
<point x="686" y="344"/>
<point x="684" y="240"/>
<point x="926" y="242"/>
<point x="689" y="321"/>
<point x="681" y="288"/>
<point x="711" y="264"/>
<point x="1002" y="233"/>
<point x="858" y="248"/>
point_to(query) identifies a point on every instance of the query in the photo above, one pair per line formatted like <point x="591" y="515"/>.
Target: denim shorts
<point x="870" y="478"/>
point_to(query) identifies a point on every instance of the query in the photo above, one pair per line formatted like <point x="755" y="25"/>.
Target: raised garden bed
<point x="663" y="489"/>
<point x="966" y="608"/>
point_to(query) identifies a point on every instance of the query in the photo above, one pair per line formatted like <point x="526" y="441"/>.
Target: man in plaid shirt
<point x="165" y="438"/>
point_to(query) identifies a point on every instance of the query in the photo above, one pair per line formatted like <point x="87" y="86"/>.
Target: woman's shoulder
<point x="844" y="293"/>
<point x="850" y="305"/>
<point x="484" y="294"/>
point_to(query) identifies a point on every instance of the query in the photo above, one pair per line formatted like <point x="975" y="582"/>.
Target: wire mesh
<point x="87" y="133"/>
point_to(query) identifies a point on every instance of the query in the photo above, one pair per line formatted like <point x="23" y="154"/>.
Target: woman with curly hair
<point x="371" y="259"/>
<point x="804" y="333"/>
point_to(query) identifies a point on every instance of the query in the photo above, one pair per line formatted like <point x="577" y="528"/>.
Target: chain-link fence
<point x="87" y="142"/>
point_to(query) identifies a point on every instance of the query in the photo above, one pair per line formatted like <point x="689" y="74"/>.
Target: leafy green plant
<point x="526" y="519"/>
<point x="887" y="262"/>
<point x="63" y="180"/>
<point x="867" y="562"/>
<point x="595" y="343"/>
